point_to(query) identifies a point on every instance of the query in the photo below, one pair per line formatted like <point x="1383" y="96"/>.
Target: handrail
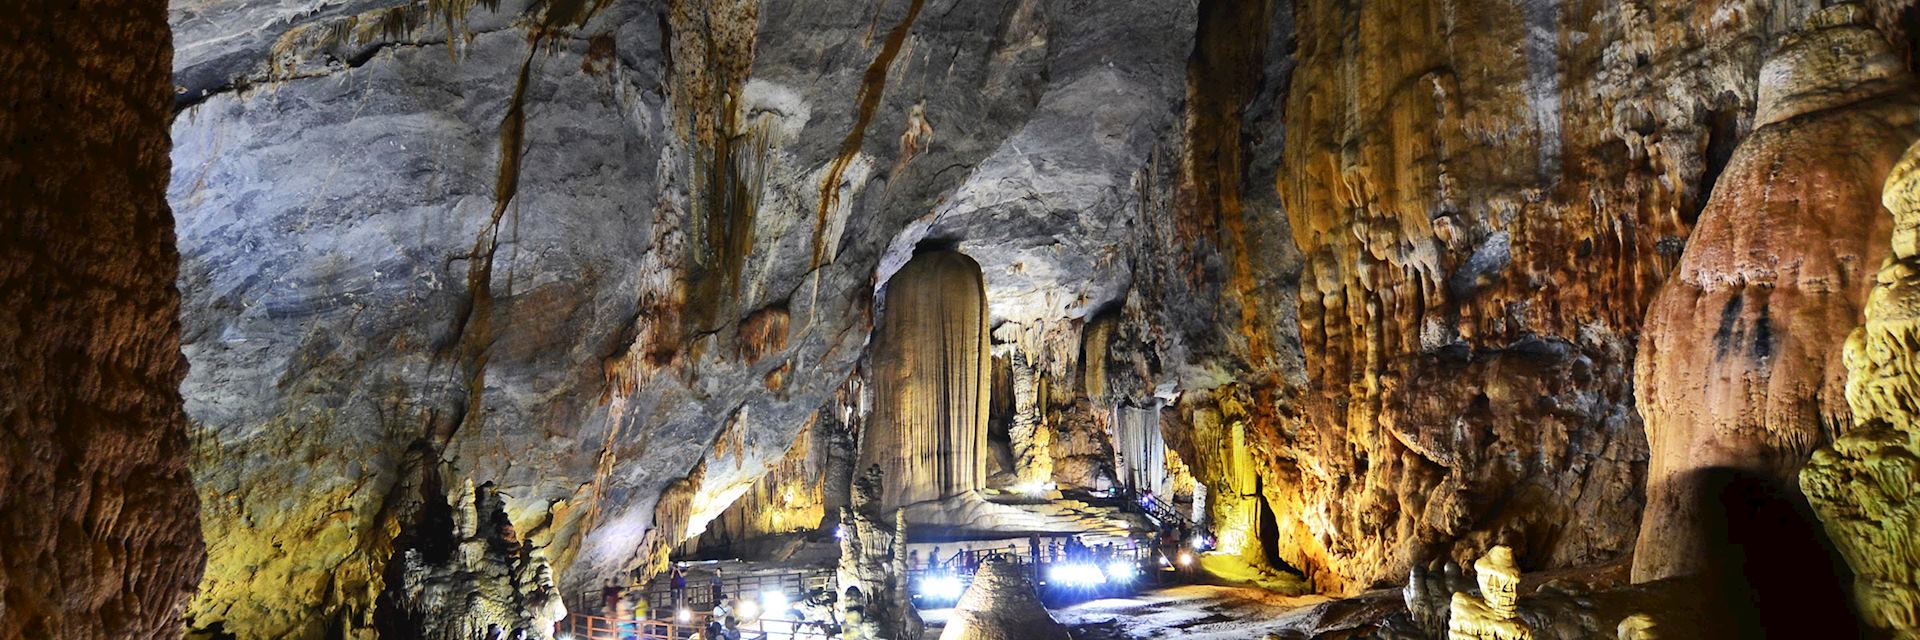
<point x="590" y="627"/>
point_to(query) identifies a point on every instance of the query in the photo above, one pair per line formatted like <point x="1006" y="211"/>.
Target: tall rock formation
<point x="931" y="370"/>
<point x="1739" y="368"/>
<point x="98" y="532"/>
<point x="1863" y="485"/>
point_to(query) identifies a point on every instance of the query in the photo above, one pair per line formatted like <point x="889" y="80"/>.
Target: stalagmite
<point x="1032" y="441"/>
<point x="1001" y="605"/>
<point x="931" y="373"/>
<point x="873" y="570"/>
<point x="1739" y="368"/>
<point x="1864" y="486"/>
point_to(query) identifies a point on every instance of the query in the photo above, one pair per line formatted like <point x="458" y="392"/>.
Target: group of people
<point x="632" y="609"/>
<point x="1048" y="551"/>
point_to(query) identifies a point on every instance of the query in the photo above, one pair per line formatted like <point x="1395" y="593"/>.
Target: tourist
<point x="609" y="597"/>
<point x="719" y="588"/>
<point x="933" y="559"/>
<point x="679" y="586"/>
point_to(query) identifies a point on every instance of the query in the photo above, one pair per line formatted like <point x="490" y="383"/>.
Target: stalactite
<point x="1140" y="449"/>
<point x="930" y="369"/>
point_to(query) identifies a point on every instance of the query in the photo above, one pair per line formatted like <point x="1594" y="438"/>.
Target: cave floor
<point x="1208" y="612"/>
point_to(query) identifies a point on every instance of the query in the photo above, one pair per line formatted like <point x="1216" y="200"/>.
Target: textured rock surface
<point x="931" y="375"/>
<point x="1484" y="196"/>
<point x="98" y="537"/>
<point x="1374" y="271"/>
<point x="1863" y="484"/>
<point x="1001" y="604"/>
<point x="607" y="358"/>
<point x="873" y="566"/>
<point x="1739" y="363"/>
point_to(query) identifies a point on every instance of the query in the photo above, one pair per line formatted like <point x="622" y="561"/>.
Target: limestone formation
<point x="874" y="601"/>
<point x="930" y="370"/>
<point x="1863" y="485"/>
<point x="1494" y="614"/>
<point x="98" y="532"/>
<point x="471" y="579"/>
<point x="1001" y="604"/>
<point x="1739" y="365"/>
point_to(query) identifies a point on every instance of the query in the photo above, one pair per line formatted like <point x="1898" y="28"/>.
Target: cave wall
<point x="98" y="533"/>
<point x="1482" y="199"/>
<point x="706" y="198"/>
<point x="1404" y="249"/>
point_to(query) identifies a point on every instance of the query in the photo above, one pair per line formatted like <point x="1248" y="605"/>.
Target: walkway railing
<point x="590" y="627"/>
<point x="699" y="593"/>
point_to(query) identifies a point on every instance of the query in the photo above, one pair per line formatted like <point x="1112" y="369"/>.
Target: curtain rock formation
<point x="1739" y="364"/>
<point x="931" y="374"/>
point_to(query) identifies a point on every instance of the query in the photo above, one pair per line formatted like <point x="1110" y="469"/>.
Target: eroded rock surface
<point x="98" y="534"/>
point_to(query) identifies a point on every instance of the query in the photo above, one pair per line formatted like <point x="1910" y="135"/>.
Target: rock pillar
<point x="1739" y="368"/>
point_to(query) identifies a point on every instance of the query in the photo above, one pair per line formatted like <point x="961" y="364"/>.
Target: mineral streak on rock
<point x="873" y="86"/>
<point x="1863" y="484"/>
<point x="1739" y="364"/>
<point x="99" y="536"/>
<point x="1001" y="604"/>
<point x="931" y="371"/>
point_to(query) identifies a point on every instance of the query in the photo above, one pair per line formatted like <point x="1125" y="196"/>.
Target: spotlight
<point x="563" y="636"/>
<point x="749" y="610"/>
<point x="1201" y="543"/>
<point x="944" y="587"/>
<point x="1186" y="558"/>
<point x="1076" y="575"/>
<point x="684" y="616"/>
<point x="774" y="602"/>
<point x="1121" y="571"/>
<point x="840" y="532"/>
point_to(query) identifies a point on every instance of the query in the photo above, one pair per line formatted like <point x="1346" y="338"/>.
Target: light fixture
<point x="1076" y="575"/>
<point x="1121" y="571"/>
<point x="684" y="616"/>
<point x="941" y="587"/>
<point x="749" y="610"/>
<point x="774" y="603"/>
<point x="1186" y="558"/>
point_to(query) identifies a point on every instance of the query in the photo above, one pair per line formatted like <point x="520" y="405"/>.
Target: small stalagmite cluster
<point x="873" y="566"/>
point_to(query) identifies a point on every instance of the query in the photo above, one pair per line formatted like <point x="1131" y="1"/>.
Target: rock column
<point x="1738" y="369"/>
<point x="99" y="526"/>
<point x="931" y="374"/>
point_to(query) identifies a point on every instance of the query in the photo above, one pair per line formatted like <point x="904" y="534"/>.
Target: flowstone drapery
<point x="931" y="370"/>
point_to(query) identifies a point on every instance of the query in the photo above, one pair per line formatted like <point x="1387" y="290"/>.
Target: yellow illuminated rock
<point x="1863" y="486"/>
<point x="1494" y="614"/>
